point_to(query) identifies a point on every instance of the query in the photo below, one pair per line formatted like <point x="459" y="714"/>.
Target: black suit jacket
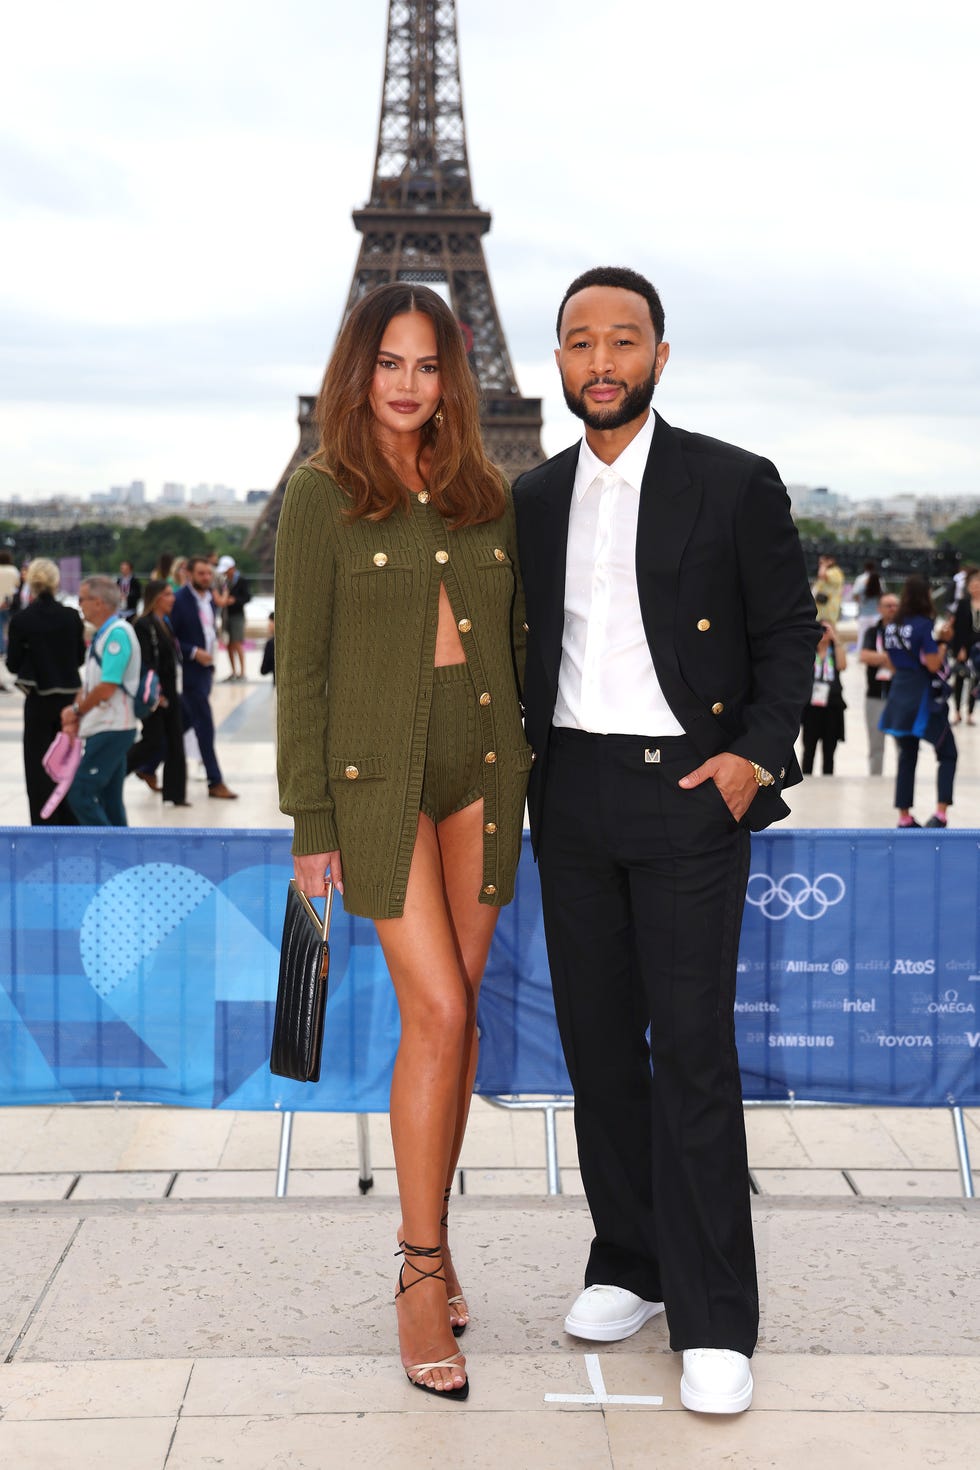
<point x="188" y="630"/>
<point x="963" y="635"/>
<point x="715" y="543"/>
<point x="133" y="594"/>
<point x="46" y="646"/>
<point x="160" y="651"/>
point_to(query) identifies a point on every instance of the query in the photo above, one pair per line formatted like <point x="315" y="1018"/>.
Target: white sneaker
<point x="716" y="1381"/>
<point x="609" y="1313"/>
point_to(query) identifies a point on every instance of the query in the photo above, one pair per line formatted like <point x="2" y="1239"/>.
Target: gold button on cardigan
<point x="354" y="672"/>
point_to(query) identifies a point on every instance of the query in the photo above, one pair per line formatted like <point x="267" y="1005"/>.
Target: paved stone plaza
<point x="160" y="1308"/>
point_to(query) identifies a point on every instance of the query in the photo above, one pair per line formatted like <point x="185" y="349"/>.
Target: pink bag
<point x="61" y="760"/>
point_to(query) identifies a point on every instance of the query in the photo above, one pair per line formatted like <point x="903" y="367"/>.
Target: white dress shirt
<point x="205" y="608"/>
<point x="607" y="683"/>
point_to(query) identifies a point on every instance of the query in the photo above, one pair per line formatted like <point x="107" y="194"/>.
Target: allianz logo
<point x="814" y="967"/>
<point x="914" y="967"/>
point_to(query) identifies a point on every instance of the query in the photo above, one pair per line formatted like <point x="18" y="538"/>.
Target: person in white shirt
<point x="671" y="635"/>
<point x="103" y="714"/>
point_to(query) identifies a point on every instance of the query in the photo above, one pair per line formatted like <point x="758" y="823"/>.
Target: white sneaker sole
<point x="716" y="1403"/>
<point x="613" y="1331"/>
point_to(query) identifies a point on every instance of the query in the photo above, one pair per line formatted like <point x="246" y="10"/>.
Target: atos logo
<point x="795" y="894"/>
<point x="914" y="967"/>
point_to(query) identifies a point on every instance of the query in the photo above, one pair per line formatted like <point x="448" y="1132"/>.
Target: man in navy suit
<point x="194" y="624"/>
<point x="670" y="653"/>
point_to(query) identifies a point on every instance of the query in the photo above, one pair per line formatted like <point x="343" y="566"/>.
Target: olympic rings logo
<point x="795" y="894"/>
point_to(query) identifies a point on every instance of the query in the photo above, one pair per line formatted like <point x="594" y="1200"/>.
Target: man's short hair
<point x="624" y="279"/>
<point x="104" y="590"/>
<point x="43" y="576"/>
<point x="195" y="561"/>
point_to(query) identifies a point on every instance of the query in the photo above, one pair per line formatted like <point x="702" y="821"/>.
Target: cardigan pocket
<point x="385" y="560"/>
<point x="491" y="556"/>
<point x="357" y="768"/>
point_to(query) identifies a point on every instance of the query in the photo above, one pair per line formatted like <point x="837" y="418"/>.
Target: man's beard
<point x="635" y="403"/>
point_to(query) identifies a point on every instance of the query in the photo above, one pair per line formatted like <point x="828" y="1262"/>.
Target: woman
<point x="914" y="710"/>
<point x="163" y="732"/>
<point x="161" y="572"/>
<point x="828" y="588"/>
<point x="46" y="648"/>
<point x="866" y="592"/>
<point x="397" y="593"/>
<point x="823" y="717"/>
<point x="966" y="638"/>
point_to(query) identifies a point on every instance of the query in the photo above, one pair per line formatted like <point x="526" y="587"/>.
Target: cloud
<point x="178" y="187"/>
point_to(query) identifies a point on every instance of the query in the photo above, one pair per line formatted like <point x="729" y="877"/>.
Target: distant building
<point x="173" y="494"/>
<point x="815" y="504"/>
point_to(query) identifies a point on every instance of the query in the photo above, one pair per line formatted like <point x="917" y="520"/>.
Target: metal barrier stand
<point x="549" y="1106"/>
<point x="962" y="1151"/>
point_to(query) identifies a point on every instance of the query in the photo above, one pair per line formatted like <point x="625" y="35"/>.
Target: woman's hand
<point x="312" y="870"/>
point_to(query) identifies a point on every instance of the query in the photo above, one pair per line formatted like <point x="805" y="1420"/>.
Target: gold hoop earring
<point x="438" y="418"/>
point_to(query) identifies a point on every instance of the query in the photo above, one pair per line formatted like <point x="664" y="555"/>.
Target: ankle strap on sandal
<point x="420" y="1252"/>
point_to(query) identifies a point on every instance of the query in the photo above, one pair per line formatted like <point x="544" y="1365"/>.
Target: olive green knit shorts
<point x="453" y="776"/>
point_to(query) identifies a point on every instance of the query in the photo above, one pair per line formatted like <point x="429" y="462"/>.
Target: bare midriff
<point x="449" y="645"/>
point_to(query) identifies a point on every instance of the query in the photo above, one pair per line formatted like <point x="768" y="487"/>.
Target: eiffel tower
<point x="421" y="224"/>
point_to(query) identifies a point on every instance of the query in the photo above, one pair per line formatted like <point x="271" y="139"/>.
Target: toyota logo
<point x="795" y="894"/>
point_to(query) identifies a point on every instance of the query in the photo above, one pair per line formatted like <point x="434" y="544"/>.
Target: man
<point x="103" y="714"/>
<point x="237" y="593"/>
<point x="131" y="588"/>
<point x="193" y="622"/>
<point x="879" y="673"/>
<point x="670" y="653"/>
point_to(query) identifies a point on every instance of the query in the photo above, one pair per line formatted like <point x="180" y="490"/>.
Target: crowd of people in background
<point x="88" y="674"/>
<point x="191" y="607"/>
<point x="915" y="662"/>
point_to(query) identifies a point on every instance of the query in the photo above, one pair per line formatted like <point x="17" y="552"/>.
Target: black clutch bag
<point x="301" y="1000"/>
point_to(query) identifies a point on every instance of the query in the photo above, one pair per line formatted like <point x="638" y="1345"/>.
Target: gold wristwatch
<point x="762" y="776"/>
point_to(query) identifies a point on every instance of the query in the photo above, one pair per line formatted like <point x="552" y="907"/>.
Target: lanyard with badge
<point x="824" y="671"/>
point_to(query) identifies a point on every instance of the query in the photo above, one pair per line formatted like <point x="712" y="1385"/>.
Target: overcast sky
<point x="800" y="182"/>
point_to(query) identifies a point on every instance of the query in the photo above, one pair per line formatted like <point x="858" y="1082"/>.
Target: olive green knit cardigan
<point x="356" y="617"/>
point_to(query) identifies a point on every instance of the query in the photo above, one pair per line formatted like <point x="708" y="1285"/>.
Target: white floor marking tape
<point x="598" y="1394"/>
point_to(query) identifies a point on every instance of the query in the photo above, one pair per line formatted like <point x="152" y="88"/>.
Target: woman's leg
<point x="829" y="745"/>
<point x="421" y="953"/>
<point x="908" y="756"/>
<point x="461" y="844"/>
<point x="946" y="754"/>
<point x="810" y="737"/>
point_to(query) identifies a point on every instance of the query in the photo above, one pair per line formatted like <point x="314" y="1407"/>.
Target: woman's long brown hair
<point x="916" y="599"/>
<point x="465" y="487"/>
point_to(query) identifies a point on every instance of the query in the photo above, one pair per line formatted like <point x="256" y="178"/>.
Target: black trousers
<point x="42" y="721"/>
<point x="821" y="726"/>
<point x="162" y="739"/>
<point x="643" y="886"/>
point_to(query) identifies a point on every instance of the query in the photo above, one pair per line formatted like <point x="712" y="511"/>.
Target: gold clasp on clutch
<point x="322" y="926"/>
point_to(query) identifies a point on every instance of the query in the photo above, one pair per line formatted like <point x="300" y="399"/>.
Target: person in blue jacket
<point x="916" y="706"/>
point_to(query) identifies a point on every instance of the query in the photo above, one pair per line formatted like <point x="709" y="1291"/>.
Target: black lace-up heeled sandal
<point x="414" y="1373"/>
<point x="458" y="1328"/>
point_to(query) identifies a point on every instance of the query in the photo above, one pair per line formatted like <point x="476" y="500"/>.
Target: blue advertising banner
<point x="141" y="964"/>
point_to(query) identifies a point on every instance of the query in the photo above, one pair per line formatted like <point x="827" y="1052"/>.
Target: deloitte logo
<point x="795" y="894"/>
